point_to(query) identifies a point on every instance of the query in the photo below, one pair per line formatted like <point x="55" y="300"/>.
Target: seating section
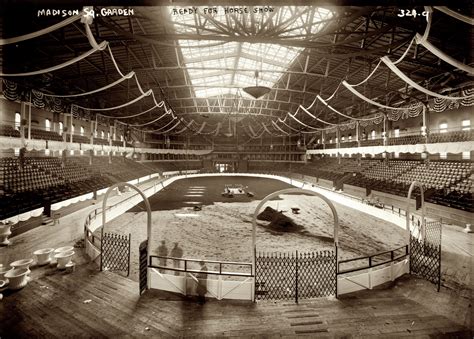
<point x="448" y="183"/>
<point x="9" y="131"/>
<point x="371" y="142"/>
<point x="45" y="135"/>
<point x="454" y="136"/>
<point x="407" y="140"/>
<point x="39" y="181"/>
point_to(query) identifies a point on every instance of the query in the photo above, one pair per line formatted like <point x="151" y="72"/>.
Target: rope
<point x="41" y="32"/>
<point x="414" y="84"/>
<point x="100" y="47"/>
<point x="283" y="122"/>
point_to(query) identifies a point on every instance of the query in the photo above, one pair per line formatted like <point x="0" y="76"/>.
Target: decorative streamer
<point x="114" y="62"/>
<point x="283" y="122"/>
<point x="159" y="129"/>
<point x="368" y="77"/>
<point x="413" y="84"/>
<point x="360" y="95"/>
<point x="336" y="111"/>
<point x="302" y="123"/>
<point x="170" y="129"/>
<point x="128" y="76"/>
<point x="455" y="14"/>
<point x="278" y="127"/>
<point x="100" y="47"/>
<point x="443" y="56"/>
<point x="201" y="128"/>
<point x="41" y="32"/>
<point x="120" y="106"/>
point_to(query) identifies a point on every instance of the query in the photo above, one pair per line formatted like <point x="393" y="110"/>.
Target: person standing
<point x="176" y="252"/>
<point x="201" y="289"/>
<point x="162" y="253"/>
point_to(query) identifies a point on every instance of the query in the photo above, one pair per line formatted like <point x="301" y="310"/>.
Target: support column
<point x="29" y="120"/>
<point x="425" y="127"/>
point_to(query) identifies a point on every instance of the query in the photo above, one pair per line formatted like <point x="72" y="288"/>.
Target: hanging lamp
<point x="257" y="91"/>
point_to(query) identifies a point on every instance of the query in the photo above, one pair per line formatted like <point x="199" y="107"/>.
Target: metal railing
<point x="371" y="259"/>
<point x="187" y="268"/>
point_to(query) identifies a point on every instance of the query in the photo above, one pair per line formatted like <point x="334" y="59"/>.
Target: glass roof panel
<point x="218" y="67"/>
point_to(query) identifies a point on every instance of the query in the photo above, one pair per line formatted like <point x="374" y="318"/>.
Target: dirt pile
<point x="278" y="221"/>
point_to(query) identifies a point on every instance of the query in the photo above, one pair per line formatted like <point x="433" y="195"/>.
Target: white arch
<point x="410" y="190"/>
<point x="148" y="211"/>
<point x="285" y="191"/>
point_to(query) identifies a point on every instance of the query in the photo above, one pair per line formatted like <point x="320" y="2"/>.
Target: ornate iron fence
<point x="115" y="252"/>
<point x="295" y="275"/>
<point x="425" y="252"/>
<point x="142" y="252"/>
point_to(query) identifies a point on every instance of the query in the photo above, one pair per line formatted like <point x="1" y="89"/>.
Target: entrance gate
<point x="425" y="251"/>
<point x="296" y="275"/>
<point x="115" y="252"/>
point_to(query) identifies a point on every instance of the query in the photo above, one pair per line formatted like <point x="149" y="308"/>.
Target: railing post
<point x="370" y="261"/>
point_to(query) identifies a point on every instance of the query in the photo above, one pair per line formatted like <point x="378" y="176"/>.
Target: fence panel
<point x="295" y="275"/>
<point x="425" y="253"/>
<point x="116" y="253"/>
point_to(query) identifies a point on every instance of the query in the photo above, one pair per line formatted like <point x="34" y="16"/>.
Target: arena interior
<point x="141" y="147"/>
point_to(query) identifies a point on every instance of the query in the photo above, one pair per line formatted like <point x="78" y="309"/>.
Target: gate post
<point x="296" y="278"/>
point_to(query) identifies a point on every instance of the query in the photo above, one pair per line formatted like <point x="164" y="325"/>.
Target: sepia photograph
<point x="236" y="168"/>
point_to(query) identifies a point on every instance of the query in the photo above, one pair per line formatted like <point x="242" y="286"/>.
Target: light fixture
<point x="257" y="91"/>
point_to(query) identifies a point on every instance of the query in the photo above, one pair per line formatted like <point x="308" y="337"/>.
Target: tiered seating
<point x="455" y="136"/>
<point x="99" y="141"/>
<point x="45" y="135"/>
<point x="437" y="174"/>
<point x="348" y="144"/>
<point x="407" y="140"/>
<point x="9" y="131"/>
<point x="372" y="142"/>
<point x="390" y="170"/>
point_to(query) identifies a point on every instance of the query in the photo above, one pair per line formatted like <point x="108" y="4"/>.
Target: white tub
<point x="63" y="249"/>
<point x="23" y="263"/>
<point x="18" y="278"/>
<point x="3" y="271"/>
<point x="43" y="256"/>
<point x="63" y="259"/>
<point x="5" y="233"/>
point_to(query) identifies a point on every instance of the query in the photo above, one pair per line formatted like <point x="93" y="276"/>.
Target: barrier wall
<point x="371" y="278"/>
<point x="216" y="288"/>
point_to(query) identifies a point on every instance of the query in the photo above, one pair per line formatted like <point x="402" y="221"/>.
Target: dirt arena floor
<point x="222" y="229"/>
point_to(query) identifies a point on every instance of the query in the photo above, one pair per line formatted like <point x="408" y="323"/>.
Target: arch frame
<point x="423" y="221"/>
<point x="104" y="213"/>
<point x="286" y="191"/>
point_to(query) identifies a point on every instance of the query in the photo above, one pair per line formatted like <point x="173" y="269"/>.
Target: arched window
<point x="466" y="125"/>
<point x="61" y="128"/>
<point x="373" y="134"/>
<point x="82" y="130"/>
<point x="121" y="137"/>
<point x="443" y="128"/>
<point x="350" y="137"/>
<point x="397" y="132"/>
<point x="47" y="125"/>
<point x="17" y="120"/>
<point x="102" y="134"/>
<point x="73" y="128"/>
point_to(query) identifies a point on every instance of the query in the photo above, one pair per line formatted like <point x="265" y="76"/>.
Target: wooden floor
<point x="56" y="304"/>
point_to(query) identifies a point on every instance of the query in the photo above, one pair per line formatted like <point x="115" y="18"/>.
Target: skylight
<point x="220" y="67"/>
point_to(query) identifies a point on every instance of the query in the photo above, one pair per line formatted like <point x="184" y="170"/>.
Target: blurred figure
<point x="202" y="283"/>
<point x="162" y="252"/>
<point x="176" y="252"/>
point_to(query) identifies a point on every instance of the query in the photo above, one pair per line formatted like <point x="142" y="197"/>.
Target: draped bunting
<point x="361" y="96"/>
<point x="119" y="106"/>
<point x="336" y="111"/>
<point x="449" y="147"/>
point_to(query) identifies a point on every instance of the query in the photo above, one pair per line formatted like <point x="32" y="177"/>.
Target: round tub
<point x="63" y="249"/>
<point x="63" y="259"/>
<point x="17" y="277"/>
<point x="5" y="233"/>
<point x="3" y="271"/>
<point x="43" y="256"/>
<point x="23" y="263"/>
